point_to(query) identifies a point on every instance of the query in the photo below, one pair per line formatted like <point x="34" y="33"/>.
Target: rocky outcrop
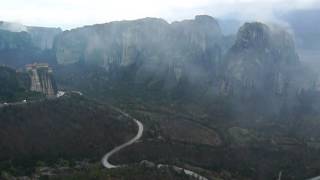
<point x="263" y="58"/>
<point x="41" y="79"/>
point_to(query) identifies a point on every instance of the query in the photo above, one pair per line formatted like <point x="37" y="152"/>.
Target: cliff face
<point x="41" y="79"/>
<point x="15" y="41"/>
<point x="194" y="52"/>
<point x="18" y="49"/>
<point x="43" y="37"/>
<point x="154" y="49"/>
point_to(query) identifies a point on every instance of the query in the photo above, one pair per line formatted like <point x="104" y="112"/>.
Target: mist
<point x="13" y="27"/>
<point x="71" y="14"/>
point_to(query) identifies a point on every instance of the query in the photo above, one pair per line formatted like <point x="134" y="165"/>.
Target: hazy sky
<point x="73" y="13"/>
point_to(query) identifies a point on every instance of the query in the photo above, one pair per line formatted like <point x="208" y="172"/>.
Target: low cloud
<point x="72" y="13"/>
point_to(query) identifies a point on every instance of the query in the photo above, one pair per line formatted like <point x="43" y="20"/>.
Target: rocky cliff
<point x="42" y="37"/>
<point x="190" y="55"/>
<point x="153" y="49"/>
<point x="18" y="49"/>
<point x="261" y="59"/>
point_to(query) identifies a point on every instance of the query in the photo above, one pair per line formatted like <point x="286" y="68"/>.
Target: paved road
<point x="105" y="159"/>
<point x="185" y="171"/>
<point x="59" y="95"/>
<point x="17" y="103"/>
<point x="315" y="178"/>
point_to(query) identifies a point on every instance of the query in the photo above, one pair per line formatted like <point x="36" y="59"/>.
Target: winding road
<point x="105" y="159"/>
<point x="108" y="165"/>
<point x="185" y="171"/>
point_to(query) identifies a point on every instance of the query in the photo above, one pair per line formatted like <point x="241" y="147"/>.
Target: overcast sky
<point x="74" y="13"/>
